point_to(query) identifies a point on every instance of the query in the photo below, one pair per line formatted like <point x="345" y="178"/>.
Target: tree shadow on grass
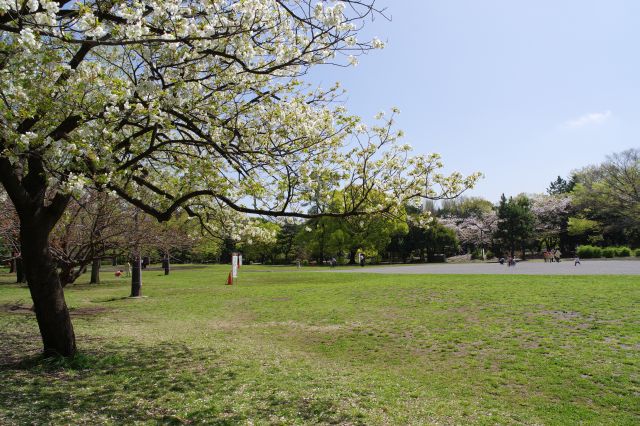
<point x="124" y="383"/>
<point x="121" y="384"/>
<point x="20" y="306"/>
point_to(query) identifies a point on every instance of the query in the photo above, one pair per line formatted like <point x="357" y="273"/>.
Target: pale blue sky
<point x="522" y="91"/>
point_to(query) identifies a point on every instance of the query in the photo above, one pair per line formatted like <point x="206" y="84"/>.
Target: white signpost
<point x="234" y="265"/>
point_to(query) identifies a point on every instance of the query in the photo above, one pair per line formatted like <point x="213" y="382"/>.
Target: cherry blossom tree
<point x="186" y="106"/>
<point x="91" y="228"/>
<point x="476" y="229"/>
<point x="10" y="237"/>
<point x="552" y="217"/>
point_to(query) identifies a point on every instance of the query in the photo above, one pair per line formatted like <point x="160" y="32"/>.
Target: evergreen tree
<point x="561" y="186"/>
<point x="515" y="222"/>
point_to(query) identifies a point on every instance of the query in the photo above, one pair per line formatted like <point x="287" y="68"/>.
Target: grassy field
<point x="291" y="347"/>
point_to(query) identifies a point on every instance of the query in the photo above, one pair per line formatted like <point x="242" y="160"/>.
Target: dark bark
<point x="37" y="218"/>
<point x="65" y="275"/>
<point x="70" y="272"/>
<point x="136" y="278"/>
<point x="430" y="254"/>
<point x="166" y="265"/>
<point x="49" y="305"/>
<point x="321" y="255"/>
<point x="21" y="276"/>
<point x="95" y="271"/>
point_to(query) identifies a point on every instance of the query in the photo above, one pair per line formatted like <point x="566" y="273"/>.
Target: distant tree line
<point x="597" y="206"/>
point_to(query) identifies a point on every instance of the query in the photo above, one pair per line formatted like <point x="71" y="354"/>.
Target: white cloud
<point x="594" y="118"/>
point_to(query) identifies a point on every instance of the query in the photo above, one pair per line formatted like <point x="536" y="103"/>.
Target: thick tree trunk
<point x="21" y="276"/>
<point x="38" y="215"/>
<point x="46" y="291"/>
<point x="166" y="265"/>
<point x="95" y="271"/>
<point x="352" y="257"/>
<point x="136" y="278"/>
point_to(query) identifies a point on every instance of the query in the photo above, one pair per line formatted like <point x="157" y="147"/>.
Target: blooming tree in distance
<point x="476" y="229"/>
<point x="552" y="216"/>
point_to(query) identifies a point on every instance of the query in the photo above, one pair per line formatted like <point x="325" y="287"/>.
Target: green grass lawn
<point x="291" y="347"/>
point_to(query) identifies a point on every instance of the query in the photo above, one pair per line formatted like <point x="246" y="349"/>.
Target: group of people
<point x="552" y="255"/>
<point x="511" y="261"/>
<point x="548" y="255"/>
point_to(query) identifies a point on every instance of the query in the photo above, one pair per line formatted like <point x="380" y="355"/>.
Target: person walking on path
<point x="557" y="255"/>
<point x="576" y="261"/>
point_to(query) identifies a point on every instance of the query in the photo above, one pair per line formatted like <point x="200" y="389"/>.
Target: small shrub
<point x="608" y="252"/>
<point x="589" y="252"/>
<point x="637" y="252"/>
<point x="623" y="251"/>
<point x="476" y="254"/>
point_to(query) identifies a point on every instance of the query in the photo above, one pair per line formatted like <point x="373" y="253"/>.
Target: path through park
<point x="566" y="267"/>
